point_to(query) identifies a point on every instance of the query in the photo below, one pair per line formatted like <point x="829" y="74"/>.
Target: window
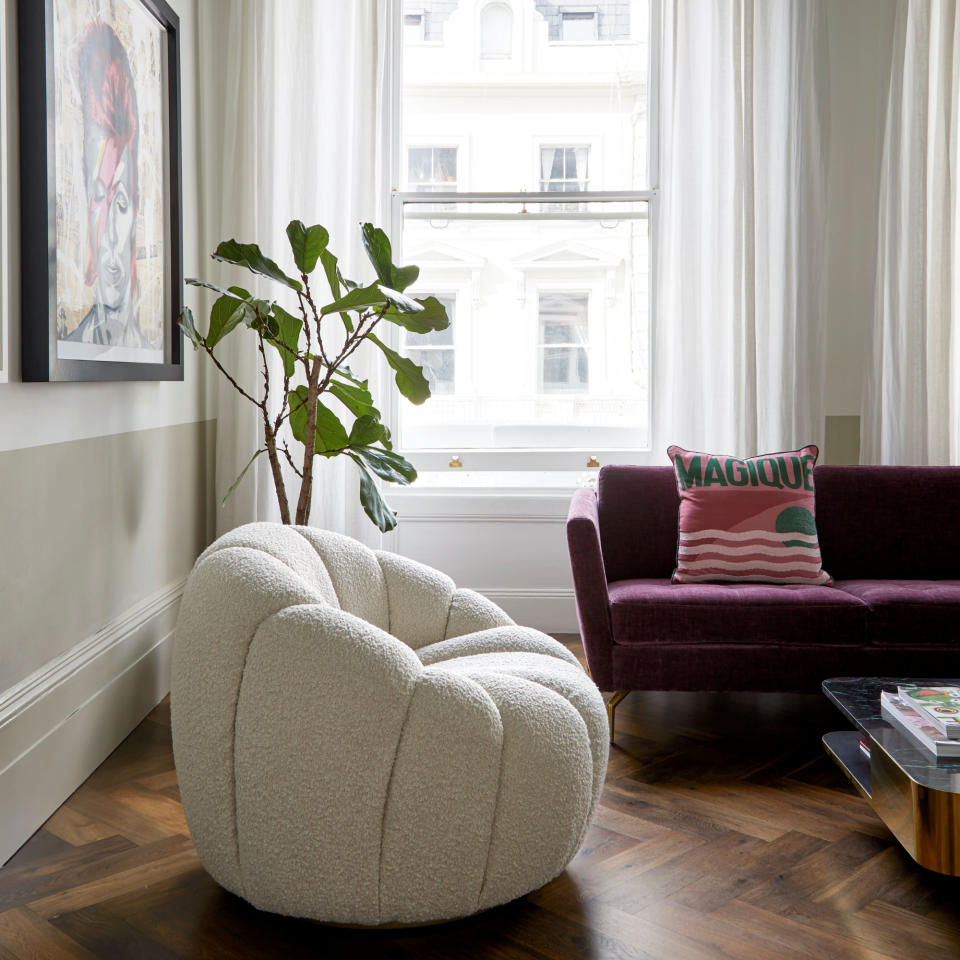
<point x="578" y="25"/>
<point x="414" y="27"/>
<point x="550" y="348"/>
<point x="435" y="352"/>
<point x="564" y="363"/>
<point x="563" y="169"/>
<point x="496" y="32"/>
<point x="432" y="169"/>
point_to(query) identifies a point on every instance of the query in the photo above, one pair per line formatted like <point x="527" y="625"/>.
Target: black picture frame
<point x="38" y="197"/>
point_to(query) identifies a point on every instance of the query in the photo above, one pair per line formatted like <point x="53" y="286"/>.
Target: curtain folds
<point x="911" y="403"/>
<point x="288" y="129"/>
<point x="739" y="336"/>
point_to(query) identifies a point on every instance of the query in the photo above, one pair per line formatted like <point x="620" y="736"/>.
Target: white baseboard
<point x="552" y="610"/>
<point x="60" y="723"/>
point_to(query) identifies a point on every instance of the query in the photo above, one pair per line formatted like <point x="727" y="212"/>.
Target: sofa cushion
<point x="745" y="520"/>
<point x="658" y="611"/>
<point x="909" y="612"/>
<point x="889" y="522"/>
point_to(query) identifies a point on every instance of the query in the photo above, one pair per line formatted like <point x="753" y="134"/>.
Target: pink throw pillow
<point x="749" y="520"/>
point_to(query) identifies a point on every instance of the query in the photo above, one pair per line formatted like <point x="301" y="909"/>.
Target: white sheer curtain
<point x="289" y="129"/>
<point x="741" y="279"/>
<point x="911" y="409"/>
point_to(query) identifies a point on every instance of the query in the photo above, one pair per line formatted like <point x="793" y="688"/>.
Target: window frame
<point x="580" y="13"/>
<point x="552" y="144"/>
<point x="438" y="143"/>
<point x="535" y="458"/>
<point x="589" y="295"/>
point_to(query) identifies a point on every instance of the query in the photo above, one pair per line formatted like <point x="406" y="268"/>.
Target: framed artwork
<point x="102" y="268"/>
<point x="8" y="52"/>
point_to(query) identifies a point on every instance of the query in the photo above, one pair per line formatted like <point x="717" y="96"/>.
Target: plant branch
<point x="233" y="383"/>
<point x="309" y="444"/>
<point x="306" y="327"/>
<point x="270" y="432"/>
<point x="293" y="466"/>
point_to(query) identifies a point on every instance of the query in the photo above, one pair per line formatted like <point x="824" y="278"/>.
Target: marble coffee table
<point x="913" y="792"/>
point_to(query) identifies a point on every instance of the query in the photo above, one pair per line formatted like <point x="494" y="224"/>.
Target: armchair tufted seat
<point x="358" y="741"/>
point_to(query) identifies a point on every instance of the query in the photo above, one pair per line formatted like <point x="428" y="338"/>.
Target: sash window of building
<point x="549" y="354"/>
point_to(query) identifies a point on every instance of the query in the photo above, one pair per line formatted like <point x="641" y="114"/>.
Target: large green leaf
<point x="365" y="431"/>
<point x="332" y="271"/>
<point x="331" y="435"/>
<point x="373" y="503"/>
<point x="307" y="243"/>
<point x="399" y="302"/>
<point x="249" y="255"/>
<point x="387" y="464"/>
<point x="347" y="374"/>
<point x="377" y="245"/>
<point x="433" y="316"/>
<point x="189" y="327"/>
<point x="227" y="313"/>
<point x="403" y="277"/>
<point x="357" y="399"/>
<point x="409" y="377"/>
<point x="329" y="263"/>
<point x="243" y="473"/>
<point x="359" y="299"/>
<point x="288" y="334"/>
<point x="216" y="288"/>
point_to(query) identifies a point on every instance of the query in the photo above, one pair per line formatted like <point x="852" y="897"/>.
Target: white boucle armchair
<point x="357" y="741"/>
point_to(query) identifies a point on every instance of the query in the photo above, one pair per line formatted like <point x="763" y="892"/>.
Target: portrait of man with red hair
<point x="112" y="173"/>
<point x="111" y="136"/>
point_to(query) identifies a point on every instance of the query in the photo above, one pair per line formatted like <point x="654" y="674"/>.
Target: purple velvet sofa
<point x="889" y="536"/>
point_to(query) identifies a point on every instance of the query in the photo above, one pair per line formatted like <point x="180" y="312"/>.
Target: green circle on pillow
<point x="796" y="520"/>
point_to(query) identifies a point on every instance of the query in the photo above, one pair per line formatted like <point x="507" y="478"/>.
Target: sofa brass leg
<point x="612" y="706"/>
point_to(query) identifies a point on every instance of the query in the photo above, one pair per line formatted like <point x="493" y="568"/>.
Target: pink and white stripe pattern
<point x="760" y="556"/>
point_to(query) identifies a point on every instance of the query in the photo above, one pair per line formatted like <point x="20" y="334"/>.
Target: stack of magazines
<point x="930" y="715"/>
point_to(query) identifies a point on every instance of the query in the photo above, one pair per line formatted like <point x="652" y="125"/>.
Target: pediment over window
<point x="564" y="254"/>
<point x="572" y="259"/>
<point x="443" y="256"/>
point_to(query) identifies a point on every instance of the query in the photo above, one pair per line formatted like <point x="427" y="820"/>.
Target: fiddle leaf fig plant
<point x="314" y="341"/>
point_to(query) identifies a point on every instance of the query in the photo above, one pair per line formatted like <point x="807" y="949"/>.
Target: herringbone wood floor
<point x="724" y="832"/>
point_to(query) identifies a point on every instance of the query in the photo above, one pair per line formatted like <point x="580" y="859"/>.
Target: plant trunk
<point x="309" y="446"/>
<point x="271" y="440"/>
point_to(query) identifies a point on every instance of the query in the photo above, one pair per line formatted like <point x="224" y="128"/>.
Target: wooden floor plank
<point x="167" y="858"/>
<point x="28" y="937"/>
<point x="76" y="828"/>
<point x="723" y="833"/>
<point x="19" y="885"/>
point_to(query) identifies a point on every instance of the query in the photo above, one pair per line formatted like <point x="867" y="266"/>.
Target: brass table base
<point x="925" y="821"/>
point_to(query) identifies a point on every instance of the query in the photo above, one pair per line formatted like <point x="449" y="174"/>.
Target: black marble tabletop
<point x="858" y="699"/>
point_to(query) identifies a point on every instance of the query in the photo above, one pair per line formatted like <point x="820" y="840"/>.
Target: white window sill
<point x="496" y="482"/>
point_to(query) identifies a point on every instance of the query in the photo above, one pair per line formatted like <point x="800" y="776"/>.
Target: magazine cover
<point x="901" y="715"/>
<point x="940" y="705"/>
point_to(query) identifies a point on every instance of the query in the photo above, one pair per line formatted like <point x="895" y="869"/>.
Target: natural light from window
<point x="519" y="101"/>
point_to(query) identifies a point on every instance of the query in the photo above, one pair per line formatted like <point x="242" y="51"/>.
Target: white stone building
<point x="550" y="301"/>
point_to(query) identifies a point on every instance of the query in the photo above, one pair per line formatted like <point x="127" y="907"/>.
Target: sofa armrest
<point x="590" y="586"/>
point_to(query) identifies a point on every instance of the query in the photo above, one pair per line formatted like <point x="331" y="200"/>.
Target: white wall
<point x="107" y="501"/>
